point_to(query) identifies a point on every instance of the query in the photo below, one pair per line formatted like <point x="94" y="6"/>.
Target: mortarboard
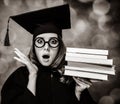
<point x="59" y="15"/>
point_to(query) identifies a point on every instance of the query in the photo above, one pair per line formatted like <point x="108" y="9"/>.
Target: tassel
<point x="7" y="40"/>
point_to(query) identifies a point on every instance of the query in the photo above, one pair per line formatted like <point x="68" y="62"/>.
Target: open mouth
<point x="45" y="56"/>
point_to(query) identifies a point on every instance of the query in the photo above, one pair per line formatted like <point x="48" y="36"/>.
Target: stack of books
<point x="88" y="63"/>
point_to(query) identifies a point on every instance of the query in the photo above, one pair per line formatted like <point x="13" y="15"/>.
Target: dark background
<point x="95" y="24"/>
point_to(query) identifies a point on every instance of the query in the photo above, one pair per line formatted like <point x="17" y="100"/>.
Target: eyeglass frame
<point x="48" y="42"/>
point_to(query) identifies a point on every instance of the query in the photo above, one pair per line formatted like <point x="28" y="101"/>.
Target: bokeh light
<point x="89" y="28"/>
<point x="101" y="7"/>
<point x="106" y="100"/>
<point x="102" y="23"/>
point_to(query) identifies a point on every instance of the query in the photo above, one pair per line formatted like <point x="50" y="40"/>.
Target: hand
<point x="25" y="60"/>
<point x="82" y="83"/>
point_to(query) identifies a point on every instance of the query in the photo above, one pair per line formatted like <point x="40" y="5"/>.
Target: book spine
<point x="108" y="62"/>
<point x="86" y="75"/>
<point x="87" y="51"/>
<point x="86" y="55"/>
<point x="93" y="70"/>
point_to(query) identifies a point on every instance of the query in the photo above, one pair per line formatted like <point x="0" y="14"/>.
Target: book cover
<point x="86" y="55"/>
<point x="108" y="62"/>
<point x="93" y="70"/>
<point x="87" y="51"/>
<point x="86" y="75"/>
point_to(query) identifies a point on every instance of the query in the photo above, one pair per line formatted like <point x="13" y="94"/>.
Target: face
<point x="46" y="48"/>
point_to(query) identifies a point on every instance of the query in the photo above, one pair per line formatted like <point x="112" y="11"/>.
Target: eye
<point x="54" y="42"/>
<point x="39" y="42"/>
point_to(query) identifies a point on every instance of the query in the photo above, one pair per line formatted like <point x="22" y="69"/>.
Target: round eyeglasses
<point x="40" y="42"/>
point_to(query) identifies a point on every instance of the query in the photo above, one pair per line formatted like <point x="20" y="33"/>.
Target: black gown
<point x="49" y="90"/>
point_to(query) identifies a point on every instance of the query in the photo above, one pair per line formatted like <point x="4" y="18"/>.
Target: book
<point x="86" y="74"/>
<point x="87" y="51"/>
<point x="97" y="68"/>
<point x="108" y="62"/>
<point x="93" y="70"/>
<point x="86" y="55"/>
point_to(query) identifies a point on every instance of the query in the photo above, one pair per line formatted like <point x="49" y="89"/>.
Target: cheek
<point x="54" y="53"/>
<point x="38" y="52"/>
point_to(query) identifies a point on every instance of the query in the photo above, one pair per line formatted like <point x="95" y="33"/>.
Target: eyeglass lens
<point x="40" y="42"/>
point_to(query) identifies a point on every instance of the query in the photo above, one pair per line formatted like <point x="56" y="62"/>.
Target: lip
<point x="46" y="56"/>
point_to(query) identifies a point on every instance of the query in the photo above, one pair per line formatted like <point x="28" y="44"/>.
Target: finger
<point x="76" y="80"/>
<point x="21" y="59"/>
<point x="21" y="55"/>
<point x="81" y="81"/>
<point x="18" y="51"/>
<point x="85" y="80"/>
<point x="82" y="84"/>
<point x="18" y="54"/>
<point x="16" y="58"/>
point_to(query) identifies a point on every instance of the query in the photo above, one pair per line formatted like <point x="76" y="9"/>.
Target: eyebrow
<point x="43" y="37"/>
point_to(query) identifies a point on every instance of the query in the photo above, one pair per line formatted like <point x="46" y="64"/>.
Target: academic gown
<point x="49" y="90"/>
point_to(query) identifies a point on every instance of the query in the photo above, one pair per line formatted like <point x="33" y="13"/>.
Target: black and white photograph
<point x="59" y="52"/>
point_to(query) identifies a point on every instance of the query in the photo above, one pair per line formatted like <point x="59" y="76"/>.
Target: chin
<point x="46" y="64"/>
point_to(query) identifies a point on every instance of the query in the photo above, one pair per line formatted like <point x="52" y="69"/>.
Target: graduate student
<point x="41" y="80"/>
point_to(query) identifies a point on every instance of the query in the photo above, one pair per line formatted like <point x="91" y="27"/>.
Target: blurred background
<point x="95" y="24"/>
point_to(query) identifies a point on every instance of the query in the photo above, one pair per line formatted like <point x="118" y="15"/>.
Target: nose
<point x="46" y="47"/>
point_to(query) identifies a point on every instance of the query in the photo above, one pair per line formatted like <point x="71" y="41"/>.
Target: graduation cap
<point x="54" y="19"/>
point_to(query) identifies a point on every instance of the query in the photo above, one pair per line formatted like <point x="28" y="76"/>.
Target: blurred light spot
<point x="6" y="2"/>
<point x="102" y="23"/>
<point x="106" y="100"/>
<point x="113" y="38"/>
<point x="93" y="16"/>
<point x="73" y="15"/>
<point x="100" y="41"/>
<point x="115" y="94"/>
<point x="101" y="7"/>
<point x="80" y="27"/>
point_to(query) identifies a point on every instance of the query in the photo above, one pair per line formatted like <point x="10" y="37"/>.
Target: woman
<point x="41" y="80"/>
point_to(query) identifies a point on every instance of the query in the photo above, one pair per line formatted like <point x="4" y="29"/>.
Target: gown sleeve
<point x="15" y="90"/>
<point x="86" y="98"/>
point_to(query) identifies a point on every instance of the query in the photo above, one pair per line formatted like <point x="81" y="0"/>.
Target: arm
<point x="81" y="85"/>
<point x="15" y="89"/>
<point x="31" y="68"/>
<point x="20" y="87"/>
<point x="32" y="82"/>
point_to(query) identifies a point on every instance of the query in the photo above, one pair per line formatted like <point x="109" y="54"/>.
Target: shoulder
<point x="15" y="84"/>
<point x="19" y="72"/>
<point x="18" y="77"/>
